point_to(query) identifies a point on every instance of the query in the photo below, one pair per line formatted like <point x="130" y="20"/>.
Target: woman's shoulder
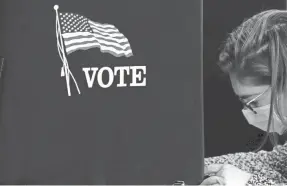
<point x="270" y="164"/>
<point x="279" y="151"/>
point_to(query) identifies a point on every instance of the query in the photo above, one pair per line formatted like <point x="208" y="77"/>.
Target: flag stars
<point x="74" y="23"/>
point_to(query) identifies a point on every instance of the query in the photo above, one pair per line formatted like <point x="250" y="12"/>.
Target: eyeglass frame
<point x="247" y="105"/>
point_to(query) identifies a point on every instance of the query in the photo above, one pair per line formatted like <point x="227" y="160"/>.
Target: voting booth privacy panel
<point x="101" y="92"/>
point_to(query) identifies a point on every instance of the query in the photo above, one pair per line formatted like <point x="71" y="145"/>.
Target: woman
<point x="255" y="58"/>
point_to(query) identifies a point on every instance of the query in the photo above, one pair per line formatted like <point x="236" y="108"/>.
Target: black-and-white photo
<point x="139" y="92"/>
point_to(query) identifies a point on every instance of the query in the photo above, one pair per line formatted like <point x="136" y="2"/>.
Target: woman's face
<point x="262" y="93"/>
<point x="247" y="92"/>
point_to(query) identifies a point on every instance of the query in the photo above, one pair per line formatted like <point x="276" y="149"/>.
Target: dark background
<point x="226" y="130"/>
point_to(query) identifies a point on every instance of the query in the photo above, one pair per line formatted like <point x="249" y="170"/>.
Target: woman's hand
<point x="225" y="174"/>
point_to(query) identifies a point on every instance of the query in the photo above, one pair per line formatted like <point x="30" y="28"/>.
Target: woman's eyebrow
<point x="248" y="97"/>
<point x="245" y="96"/>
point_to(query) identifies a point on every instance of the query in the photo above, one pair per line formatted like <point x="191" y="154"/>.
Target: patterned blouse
<point x="267" y="167"/>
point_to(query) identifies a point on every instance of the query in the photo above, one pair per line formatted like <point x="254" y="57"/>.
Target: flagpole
<point x="61" y="51"/>
<point x="59" y="36"/>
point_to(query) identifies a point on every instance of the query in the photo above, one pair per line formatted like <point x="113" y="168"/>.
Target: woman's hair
<point x="256" y="53"/>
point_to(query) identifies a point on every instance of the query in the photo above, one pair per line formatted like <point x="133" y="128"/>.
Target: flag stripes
<point x="80" y="33"/>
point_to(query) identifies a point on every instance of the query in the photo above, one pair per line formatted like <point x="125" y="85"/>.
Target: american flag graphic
<point x="81" y="33"/>
<point x="75" y="32"/>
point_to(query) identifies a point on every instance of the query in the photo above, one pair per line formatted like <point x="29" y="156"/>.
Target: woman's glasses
<point x="247" y="104"/>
